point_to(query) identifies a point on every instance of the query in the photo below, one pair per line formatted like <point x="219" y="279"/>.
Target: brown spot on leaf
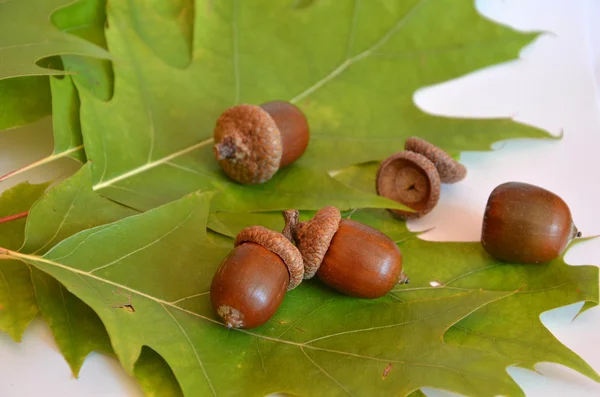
<point x="387" y="370"/>
<point x="127" y="307"/>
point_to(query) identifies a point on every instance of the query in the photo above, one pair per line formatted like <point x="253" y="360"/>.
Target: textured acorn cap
<point x="312" y="237"/>
<point x="450" y="170"/>
<point x="247" y="144"/>
<point x="278" y="244"/>
<point x="410" y="179"/>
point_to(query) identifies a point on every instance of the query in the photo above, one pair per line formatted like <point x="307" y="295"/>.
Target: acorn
<point x="413" y="177"/>
<point x="353" y="258"/>
<point x="252" y="280"/>
<point x="525" y="223"/>
<point x="253" y="142"/>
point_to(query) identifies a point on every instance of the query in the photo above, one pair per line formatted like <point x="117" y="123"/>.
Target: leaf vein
<point x="200" y="364"/>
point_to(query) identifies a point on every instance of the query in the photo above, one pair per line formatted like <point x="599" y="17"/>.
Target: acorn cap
<point x="247" y="144"/>
<point x="278" y="244"/>
<point x="450" y="170"/>
<point x="410" y="179"/>
<point x="312" y="237"/>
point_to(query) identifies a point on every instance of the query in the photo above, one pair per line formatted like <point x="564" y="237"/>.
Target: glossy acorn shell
<point x="293" y="127"/>
<point x="361" y="261"/>
<point x="524" y="223"/>
<point x="249" y="286"/>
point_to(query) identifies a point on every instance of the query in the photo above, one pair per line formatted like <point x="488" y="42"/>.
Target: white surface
<point x="554" y="87"/>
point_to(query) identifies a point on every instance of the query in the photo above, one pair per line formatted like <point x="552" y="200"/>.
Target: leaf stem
<point x="13" y="218"/>
<point x="38" y="163"/>
<point x="4" y="253"/>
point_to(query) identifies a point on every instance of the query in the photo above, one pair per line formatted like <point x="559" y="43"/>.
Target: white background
<point x="555" y="86"/>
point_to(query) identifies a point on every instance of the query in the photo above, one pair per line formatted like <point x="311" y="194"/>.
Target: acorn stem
<point x="291" y="221"/>
<point x="403" y="278"/>
<point x="575" y="233"/>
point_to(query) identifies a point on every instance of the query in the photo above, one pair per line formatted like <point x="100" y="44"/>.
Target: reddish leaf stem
<point x="13" y="217"/>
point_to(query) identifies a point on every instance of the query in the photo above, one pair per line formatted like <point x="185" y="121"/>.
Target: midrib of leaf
<point x="349" y="61"/>
<point x="150" y="165"/>
<point x="81" y="274"/>
<point x="41" y="162"/>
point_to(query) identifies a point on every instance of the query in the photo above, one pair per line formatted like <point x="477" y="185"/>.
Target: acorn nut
<point x="251" y="282"/>
<point x="524" y="223"/>
<point x="253" y="142"/>
<point x="346" y="255"/>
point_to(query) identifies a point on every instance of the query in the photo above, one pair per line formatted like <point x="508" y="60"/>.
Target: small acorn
<point x="346" y="255"/>
<point x="253" y="142"/>
<point x="413" y="177"/>
<point x="251" y="282"/>
<point x="524" y="223"/>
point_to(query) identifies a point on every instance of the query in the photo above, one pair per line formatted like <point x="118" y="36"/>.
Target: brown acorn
<point x="253" y="142"/>
<point x="524" y="223"/>
<point x="410" y="179"/>
<point x="251" y="282"/>
<point x="346" y="255"/>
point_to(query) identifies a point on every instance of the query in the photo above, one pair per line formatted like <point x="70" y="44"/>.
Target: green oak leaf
<point x="67" y="209"/>
<point x="155" y="376"/>
<point x="512" y="326"/>
<point x="17" y="299"/>
<point x="27" y="99"/>
<point x="151" y="143"/>
<point x="78" y="331"/>
<point x="23" y="100"/>
<point x="21" y="47"/>
<point x="68" y="141"/>
<point x="86" y="19"/>
<point x="62" y="212"/>
<point x="150" y="289"/>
